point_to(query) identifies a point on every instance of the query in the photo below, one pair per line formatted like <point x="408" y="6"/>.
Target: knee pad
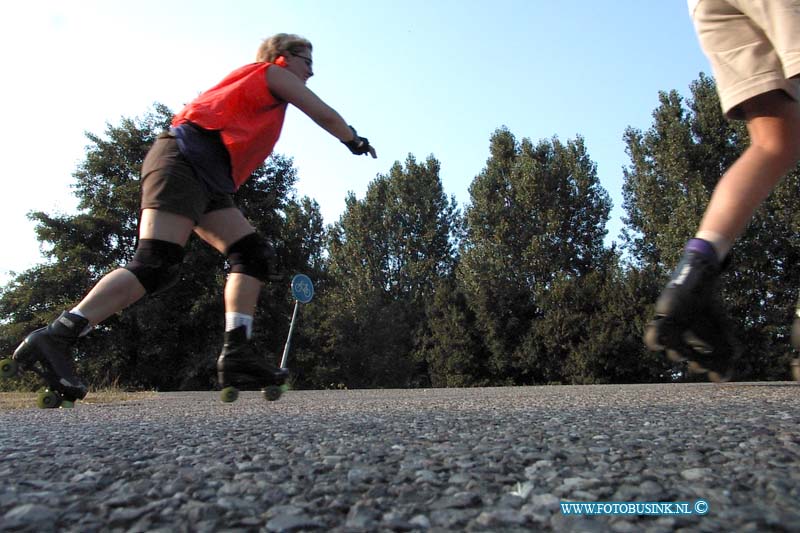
<point x="156" y="264"/>
<point x="254" y="256"/>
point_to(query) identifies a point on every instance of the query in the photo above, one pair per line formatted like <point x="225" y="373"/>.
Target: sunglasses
<point x="304" y="58"/>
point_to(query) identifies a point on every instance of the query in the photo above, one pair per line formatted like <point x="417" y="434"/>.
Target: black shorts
<point x="170" y="184"/>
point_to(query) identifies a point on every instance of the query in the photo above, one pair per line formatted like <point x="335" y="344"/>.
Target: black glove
<point x="359" y="145"/>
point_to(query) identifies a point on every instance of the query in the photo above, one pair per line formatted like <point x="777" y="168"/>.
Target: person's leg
<point x="773" y="122"/>
<point x="172" y="199"/>
<point x="122" y="288"/>
<point x="689" y="320"/>
<point x="748" y="56"/>
<point x="46" y="349"/>
<point x="221" y="229"/>
<point x="754" y="52"/>
<point x="228" y="231"/>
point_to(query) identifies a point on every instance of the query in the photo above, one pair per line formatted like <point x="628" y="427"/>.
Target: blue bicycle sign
<point x="302" y="288"/>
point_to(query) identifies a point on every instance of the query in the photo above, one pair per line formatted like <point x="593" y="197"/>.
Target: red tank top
<point x="247" y="116"/>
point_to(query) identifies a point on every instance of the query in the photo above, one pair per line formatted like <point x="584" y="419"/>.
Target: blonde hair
<point x="281" y="44"/>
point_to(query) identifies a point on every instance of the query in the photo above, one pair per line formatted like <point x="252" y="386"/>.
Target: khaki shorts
<point x="169" y="183"/>
<point x="753" y="47"/>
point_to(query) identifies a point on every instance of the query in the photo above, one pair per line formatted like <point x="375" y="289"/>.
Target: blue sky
<point x="416" y="77"/>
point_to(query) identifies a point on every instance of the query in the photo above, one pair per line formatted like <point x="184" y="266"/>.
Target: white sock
<point x="88" y="327"/>
<point x="722" y="245"/>
<point x="235" y="320"/>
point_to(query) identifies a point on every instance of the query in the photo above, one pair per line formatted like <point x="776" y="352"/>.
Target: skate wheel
<point x="695" y="368"/>
<point x="229" y="394"/>
<point x="697" y="344"/>
<point x="271" y="393"/>
<point x="48" y="400"/>
<point x="675" y="356"/>
<point x="651" y="339"/>
<point x="66" y="404"/>
<point x="8" y="368"/>
<point x="716" y="377"/>
<point x="796" y="369"/>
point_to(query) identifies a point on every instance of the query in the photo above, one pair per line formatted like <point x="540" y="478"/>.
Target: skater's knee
<point x="773" y="122"/>
<point x="156" y="264"/>
<point x="254" y="256"/>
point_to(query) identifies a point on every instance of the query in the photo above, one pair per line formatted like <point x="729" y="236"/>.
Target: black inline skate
<point x="47" y="352"/>
<point x="690" y="322"/>
<point x="240" y="368"/>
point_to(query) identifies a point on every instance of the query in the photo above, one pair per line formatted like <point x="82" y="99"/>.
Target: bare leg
<point x="239" y="365"/>
<point x="120" y="288"/>
<point x="221" y="229"/>
<point x="773" y="121"/>
<point x="241" y="294"/>
<point x="113" y="293"/>
<point x="689" y="323"/>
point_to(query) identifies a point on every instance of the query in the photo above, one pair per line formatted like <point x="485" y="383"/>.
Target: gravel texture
<point x="495" y="459"/>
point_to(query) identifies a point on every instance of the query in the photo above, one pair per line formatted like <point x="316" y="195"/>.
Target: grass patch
<point x="10" y="401"/>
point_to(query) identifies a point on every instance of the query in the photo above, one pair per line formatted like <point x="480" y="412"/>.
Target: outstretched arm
<point x="286" y="86"/>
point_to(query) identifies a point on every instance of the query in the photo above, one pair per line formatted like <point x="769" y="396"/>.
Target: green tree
<point x="536" y="220"/>
<point x="593" y="326"/>
<point x="386" y="253"/>
<point x="451" y="345"/>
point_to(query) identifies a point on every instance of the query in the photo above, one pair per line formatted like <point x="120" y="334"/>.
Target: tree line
<point x="516" y="288"/>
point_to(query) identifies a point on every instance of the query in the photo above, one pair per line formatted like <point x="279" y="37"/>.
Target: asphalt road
<point x="493" y="459"/>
